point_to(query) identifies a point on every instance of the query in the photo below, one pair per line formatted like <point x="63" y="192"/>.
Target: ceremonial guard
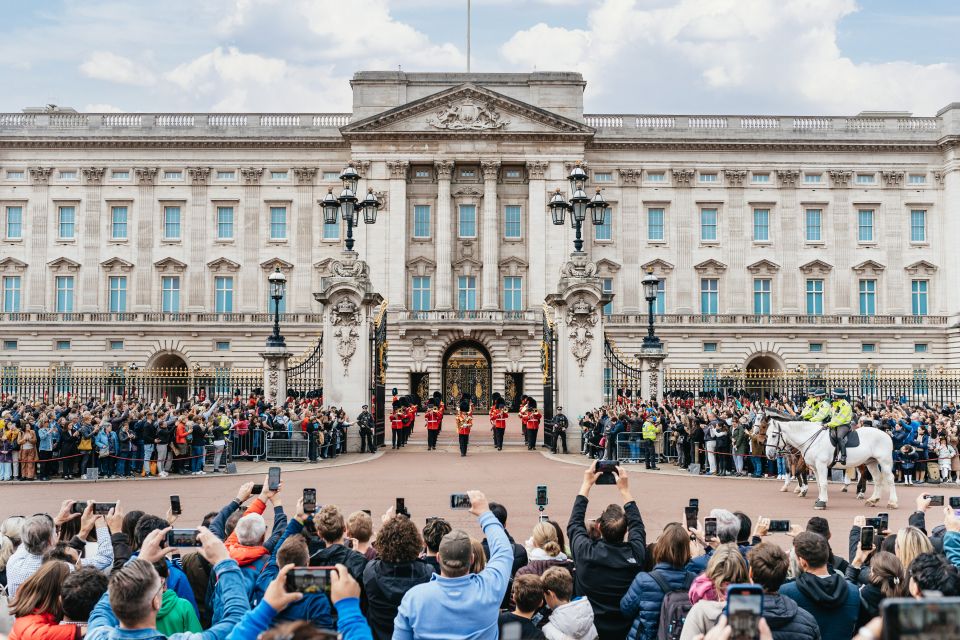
<point x="464" y="424"/>
<point x="396" y="425"/>
<point x="560" y="424"/>
<point x="432" y="417"/>
<point x="365" y="426"/>
<point x="532" y="422"/>
<point x="409" y="415"/>
<point x="524" y="400"/>
<point x="498" y="420"/>
<point x="441" y="407"/>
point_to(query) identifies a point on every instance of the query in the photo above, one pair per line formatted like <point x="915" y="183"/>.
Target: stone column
<point x="736" y="234"/>
<point x="945" y="220"/>
<point x="145" y="211"/>
<point x="196" y="230"/>
<point x="397" y="235"/>
<point x="91" y="228"/>
<point x="536" y="233"/>
<point x="630" y="238"/>
<point x="251" y="281"/>
<point x="839" y="298"/>
<point x="686" y="228"/>
<point x="444" y="283"/>
<point x="303" y="225"/>
<point x="786" y="298"/>
<point x="895" y="295"/>
<point x="39" y="224"/>
<point x="275" y="374"/>
<point x="651" y="376"/>
<point x="490" y="247"/>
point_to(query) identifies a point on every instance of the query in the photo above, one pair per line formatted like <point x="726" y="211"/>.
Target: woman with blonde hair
<point x="726" y="567"/>
<point x="910" y="543"/>
<point x="9" y="541"/>
<point x="479" y="558"/>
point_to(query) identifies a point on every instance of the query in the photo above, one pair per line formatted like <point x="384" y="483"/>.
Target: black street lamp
<point x="578" y="205"/>
<point x="278" y="286"/>
<point x="650" y="285"/>
<point x="347" y="204"/>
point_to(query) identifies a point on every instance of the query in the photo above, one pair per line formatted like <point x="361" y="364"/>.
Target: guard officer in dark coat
<point x="365" y="425"/>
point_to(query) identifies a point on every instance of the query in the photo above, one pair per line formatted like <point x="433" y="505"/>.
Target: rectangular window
<point x="708" y="177"/>
<point x="709" y="296"/>
<point x="9" y="345"/>
<point x="116" y="345"/>
<point x="68" y="222"/>
<point x="512" y="293"/>
<point x="918" y="225"/>
<point x="710" y="382"/>
<point x="468" y="173"/>
<point x="511" y="221"/>
<point x="920" y="347"/>
<point x="331" y="231"/>
<point x="868" y="347"/>
<point x="814" y="220"/>
<point x="331" y="175"/>
<point x="864" y="178"/>
<point x="656" y="176"/>
<point x="466" y="293"/>
<point x="868" y="297"/>
<point x="816" y="347"/>
<point x="118" y="223"/>
<point x="64" y="294"/>
<point x="278" y="175"/>
<point x="421" y="221"/>
<point x="171" y="223"/>
<point x="468" y="221"/>
<point x="223" y="302"/>
<point x="424" y="173"/>
<point x="603" y="176"/>
<point x="865" y="225"/>
<point x="15" y="175"/>
<point x="421" y="293"/>
<point x="278" y="223"/>
<point x="63" y="345"/>
<point x="918" y="296"/>
<point x="761" y="178"/>
<point x="224" y="223"/>
<point x="917" y="178"/>
<point x="708" y="225"/>
<point x="11" y="294"/>
<point x="815" y="297"/>
<point x="512" y="174"/>
<point x="812" y="178"/>
<point x="761" y="296"/>
<point x="226" y="175"/>
<point x="14" y="223"/>
<point x="604" y="231"/>
<point x="710" y="347"/>
<point x="655" y="224"/>
<point x="68" y="175"/>
<point x="118" y="294"/>
<point x="660" y="304"/>
<point x="120" y="174"/>
<point x="173" y="175"/>
<point x="761" y="225"/>
<point x="170" y="300"/>
<point x="608" y="288"/>
<point x="223" y="345"/>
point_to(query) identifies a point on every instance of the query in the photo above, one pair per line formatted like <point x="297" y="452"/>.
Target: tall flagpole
<point x="468" y="36"/>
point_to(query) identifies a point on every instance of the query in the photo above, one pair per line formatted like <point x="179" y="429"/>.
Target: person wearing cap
<point x="365" y="427"/>
<point x="560" y="424"/>
<point x="842" y="414"/>
<point x="650" y="432"/>
<point x="464" y="424"/>
<point x="432" y="418"/>
<point x="498" y="422"/>
<point x="457" y="603"/>
<point x="396" y="425"/>
<point x="819" y="411"/>
<point x="532" y="422"/>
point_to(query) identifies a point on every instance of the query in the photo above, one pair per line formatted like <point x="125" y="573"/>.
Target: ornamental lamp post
<point x="578" y="205"/>
<point x="650" y="285"/>
<point x="278" y="286"/>
<point x="347" y="204"/>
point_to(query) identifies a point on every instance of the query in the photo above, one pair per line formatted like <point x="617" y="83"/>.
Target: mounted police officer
<point x="817" y="408"/>
<point x="366" y="425"/>
<point x="842" y="415"/>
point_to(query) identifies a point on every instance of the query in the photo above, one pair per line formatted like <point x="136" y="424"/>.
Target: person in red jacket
<point x="532" y="422"/>
<point x="396" y="425"/>
<point x="464" y="424"/>
<point x="498" y="421"/>
<point x="38" y="609"/>
<point x="432" y="417"/>
<point x="410" y="415"/>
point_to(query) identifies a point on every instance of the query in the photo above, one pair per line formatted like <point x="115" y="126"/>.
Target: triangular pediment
<point x="607" y="265"/>
<point x="273" y="263"/>
<point x="10" y="263"/>
<point x="710" y="266"/>
<point x="118" y="264"/>
<point x="869" y="266"/>
<point x="816" y="266"/>
<point x="921" y="267"/>
<point x="223" y="264"/>
<point x="763" y="266"/>
<point x="513" y="261"/>
<point x="65" y="264"/>
<point x="467" y="109"/>
<point x="170" y="264"/>
<point x="467" y="260"/>
<point x="421" y="266"/>
<point x="657" y="266"/>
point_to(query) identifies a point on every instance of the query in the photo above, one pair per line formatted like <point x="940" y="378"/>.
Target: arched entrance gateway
<point x="166" y="375"/>
<point x="466" y="369"/>
<point x="763" y="375"/>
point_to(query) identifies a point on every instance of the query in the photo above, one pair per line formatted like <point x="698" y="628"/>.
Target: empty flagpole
<point x="468" y="36"/>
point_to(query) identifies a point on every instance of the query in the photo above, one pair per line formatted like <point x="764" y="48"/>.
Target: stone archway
<point x="763" y="374"/>
<point x="467" y="369"/>
<point x="167" y="375"/>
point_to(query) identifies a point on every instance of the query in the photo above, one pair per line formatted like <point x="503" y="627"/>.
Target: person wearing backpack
<point x="726" y="567"/>
<point x="659" y="597"/>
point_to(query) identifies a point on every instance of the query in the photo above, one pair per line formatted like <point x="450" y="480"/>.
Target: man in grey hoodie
<point x="568" y="620"/>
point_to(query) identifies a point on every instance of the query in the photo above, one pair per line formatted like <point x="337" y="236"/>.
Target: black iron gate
<point x="548" y="350"/>
<point x="621" y="379"/>
<point x="378" y="373"/>
<point x="305" y="374"/>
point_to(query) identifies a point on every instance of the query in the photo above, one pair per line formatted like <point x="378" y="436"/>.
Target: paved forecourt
<point x="426" y="480"/>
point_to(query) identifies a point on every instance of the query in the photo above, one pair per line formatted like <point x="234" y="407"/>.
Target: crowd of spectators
<point x="722" y="437"/>
<point x="111" y="576"/>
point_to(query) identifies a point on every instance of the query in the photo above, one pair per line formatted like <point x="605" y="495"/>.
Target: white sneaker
<point x="201" y="473"/>
<point x="163" y="474"/>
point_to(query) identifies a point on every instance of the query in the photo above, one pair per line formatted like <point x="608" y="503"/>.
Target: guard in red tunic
<point x="524" y="401"/>
<point x="464" y="424"/>
<point x="396" y="425"/>
<point x="432" y="417"/>
<point x="409" y="415"/>
<point x="440" y="407"/>
<point x="532" y="422"/>
<point x="498" y="419"/>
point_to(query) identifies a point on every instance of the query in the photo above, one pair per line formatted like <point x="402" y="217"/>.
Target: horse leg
<point x="862" y="481"/>
<point x="886" y="468"/>
<point x="803" y="481"/>
<point x="821" y="502"/>
<point x="878" y="482"/>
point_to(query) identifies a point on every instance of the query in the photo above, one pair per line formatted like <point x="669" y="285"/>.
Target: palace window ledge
<point x="671" y="319"/>
<point x="150" y="317"/>
<point x="457" y="315"/>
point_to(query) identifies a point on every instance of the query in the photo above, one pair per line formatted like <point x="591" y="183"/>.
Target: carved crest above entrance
<point x="467" y="114"/>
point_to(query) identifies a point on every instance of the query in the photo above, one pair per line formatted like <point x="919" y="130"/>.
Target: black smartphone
<point x="368" y="512"/>
<point x="608" y="471"/>
<point x="779" y="526"/>
<point x="309" y="580"/>
<point x="273" y="478"/>
<point x="884" y="521"/>
<point x="927" y="619"/>
<point x="876" y="523"/>
<point x="544" y="517"/>
<point x="743" y="610"/>
<point x="309" y="500"/>
<point x="954" y="502"/>
<point x="257" y="490"/>
<point x="867" y="535"/>
<point x="175" y="508"/>
<point x="183" y="538"/>
<point x="79" y="506"/>
<point x="459" y="501"/>
<point x="103" y="508"/>
<point x="936" y="501"/>
<point x="401" y="507"/>
<point x="541" y="495"/>
<point x="691" y="514"/>
<point x="695" y="502"/>
<point x="709" y="528"/>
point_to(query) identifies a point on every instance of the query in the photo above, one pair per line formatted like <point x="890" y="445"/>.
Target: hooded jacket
<point x="788" y="621"/>
<point x="385" y="583"/>
<point x="571" y="621"/>
<point x="642" y="602"/>
<point x="834" y="603"/>
<point x="176" y="615"/>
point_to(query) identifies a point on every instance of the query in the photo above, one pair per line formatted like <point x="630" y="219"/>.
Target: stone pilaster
<point x="148" y="221"/>
<point x="736" y="235"/>
<point x="90" y="232"/>
<point x="631" y="236"/>
<point x="303" y="240"/>
<point x="685" y="229"/>
<point x="840" y="299"/>
<point x="444" y="283"/>
<point x="194" y="229"/>
<point x="250" y="276"/>
<point x="893" y="233"/>
<point x="39" y="225"/>
<point x="275" y="374"/>
<point x="537" y="219"/>
<point x="397" y="235"/>
<point x="788" y="219"/>
<point x="490" y="247"/>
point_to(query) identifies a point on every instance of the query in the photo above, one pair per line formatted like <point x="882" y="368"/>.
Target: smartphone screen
<point x="544" y="517"/>
<point x="401" y="506"/>
<point x="175" y="505"/>
<point x="309" y="500"/>
<point x="927" y="619"/>
<point x="955" y="502"/>
<point x="710" y="527"/>
<point x="695" y="502"/>
<point x="936" y="501"/>
<point x="257" y="490"/>
<point x="690" y="513"/>
<point x="779" y="526"/>
<point x="183" y="538"/>
<point x="876" y="523"/>
<point x="459" y="501"/>
<point x="866" y="538"/>
<point x="541" y="495"/>
<point x="103" y="508"/>
<point x="884" y="521"/>
<point x="273" y="478"/>
<point x="309" y="580"/>
<point x="79" y="506"/>
<point x="744" y="608"/>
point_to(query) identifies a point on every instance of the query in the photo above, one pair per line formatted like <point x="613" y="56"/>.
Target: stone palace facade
<point x="779" y="241"/>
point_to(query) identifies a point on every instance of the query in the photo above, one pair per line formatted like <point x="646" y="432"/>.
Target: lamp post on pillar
<point x="650" y="285"/>
<point x="276" y="354"/>
<point x="278" y="287"/>
<point x="651" y="353"/>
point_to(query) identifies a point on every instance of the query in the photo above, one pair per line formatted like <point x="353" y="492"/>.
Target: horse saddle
<point x="853" y="439"/>
<point x="779" y="415"/>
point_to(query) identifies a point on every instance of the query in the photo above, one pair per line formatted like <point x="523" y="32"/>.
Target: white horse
<point x="875" y="450"/>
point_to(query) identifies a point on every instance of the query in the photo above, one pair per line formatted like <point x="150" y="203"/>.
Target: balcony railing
<point x="159" y="318"/>
<point x="114" y="124"/>
<point x="670" y="319"/>
<point x="467" y="316"/>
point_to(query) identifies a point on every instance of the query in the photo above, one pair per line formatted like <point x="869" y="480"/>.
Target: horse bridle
<point x="806" y="443"/>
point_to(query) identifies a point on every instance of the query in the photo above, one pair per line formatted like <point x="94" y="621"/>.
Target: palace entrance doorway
<point x="466" y="370"/>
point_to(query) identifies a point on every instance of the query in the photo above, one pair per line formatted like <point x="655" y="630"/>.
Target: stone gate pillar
<point x="651" y="381"/>
<point x="275" y="374"/>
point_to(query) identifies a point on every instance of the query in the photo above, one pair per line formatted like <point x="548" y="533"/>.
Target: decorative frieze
<point x="630" y="177"/>
<point x="788" y="177"/>
<point x="840" y="177"/>
<point x="683" y="177"/>
<point x="735" y="177"/>
<point x="892" y="179"/>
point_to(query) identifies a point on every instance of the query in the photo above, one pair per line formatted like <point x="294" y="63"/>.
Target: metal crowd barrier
<point x="283" y="446"/>
<point x="251" y="445"/>
<point x="629" y="447"/>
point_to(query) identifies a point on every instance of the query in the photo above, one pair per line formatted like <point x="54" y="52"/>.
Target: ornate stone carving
<point x="467" y="191"/>
<point x="273" y="377"/>
<point x="40" y="175"/>
<point x="788" y="177"/>
<point x="146" y="176"/>
<point x="578" y="266"/>
<point x="251" y="175"/>
<point x="579" y="163"/>
<point x="362" y="167"/>
<point x="398" y="169"/>
<point x="840" y="177"/>
<point x="682" y="177"/>
<point x="630" y="177"/>
<point x="735" y="177"/>
<point x="467" y="114"/>
<point x="419" y="350"/>
<point x="515" y="350"/>
<point x="489" y="169"/>
<point x="444" y="169"/>
<point x="345" y="318"/>
<point x="938" y="178"/>
<point x="892" y="179"/>
<point x="199" y="176"/>
<point x="537" y="169"/>
<point x="93" y="175"/>
<point x="304" y="175"/>
<point x="350" y="267"/>
<point x="581" y="320"/>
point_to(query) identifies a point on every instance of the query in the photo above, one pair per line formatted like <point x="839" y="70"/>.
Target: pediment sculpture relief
<point x="468" y="115"/>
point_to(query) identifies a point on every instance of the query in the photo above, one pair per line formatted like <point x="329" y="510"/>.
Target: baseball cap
<point x="455" y="550"/>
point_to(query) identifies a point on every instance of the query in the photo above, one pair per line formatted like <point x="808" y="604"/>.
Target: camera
<point x="541" y="495"/>
<point x="308" y="580"/>
<point x="183" y="538"/>
<point x="927" y="619"/>
<point x="779" y="526"/>
<point x="459" y="501"/>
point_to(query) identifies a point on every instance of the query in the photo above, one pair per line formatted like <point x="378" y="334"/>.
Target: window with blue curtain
<point x="813" y="225"/>
<point x="868" y="297"/>
<point x="814" y="297"/>
<point x="918" y="225"/>
<point x="607" y="288"/>
<point x="170" y="295"/>
<point x="223" y="287"/>
<point x="761" y="225"/>
<point x="709" y="296"/>
<point x="118" y="223"/>
<point x="14" y="223"/>
<point x="278" y="223"/>
<point x="421" y="293"/>
<point x="118" y="294"/>
<point x="660" y="304"/>
<point x="467" y="227"/>
<point x="761" y="296"/>
<point x="421" y="221"/>
<point x="865" y="225"/>
<point x="171" y="223"/>
<point x="708" y="224"/>
<point x="919" y="292"/>
<point x="710" y="379"/>
<point x="224" y="223"/>
<point x="68" y="222"/>
<point x="331" y="231"/>
<point x="511" y="221"/>
<point x="64" y="294"/>
<point x="11" y="294"/>
<point x="604" y="231"/>
<point x="512" y="293"/>
<point x="467" y="293"/>
<point x="655" y="224"/>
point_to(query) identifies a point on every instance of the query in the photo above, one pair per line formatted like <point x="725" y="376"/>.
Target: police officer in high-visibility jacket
<point x="650" y="432"/>
<point x="840" y="421"/>
<point x="820" y="410"/>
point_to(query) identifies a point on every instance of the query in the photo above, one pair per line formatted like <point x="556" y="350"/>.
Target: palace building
<point x="779" y="242"/>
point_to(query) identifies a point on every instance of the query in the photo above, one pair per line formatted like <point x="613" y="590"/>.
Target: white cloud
<point x="104" y="65"/>
<point x="102" y="107"/>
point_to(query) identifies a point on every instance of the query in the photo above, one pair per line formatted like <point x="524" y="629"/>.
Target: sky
<point x="789" y="57"/>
